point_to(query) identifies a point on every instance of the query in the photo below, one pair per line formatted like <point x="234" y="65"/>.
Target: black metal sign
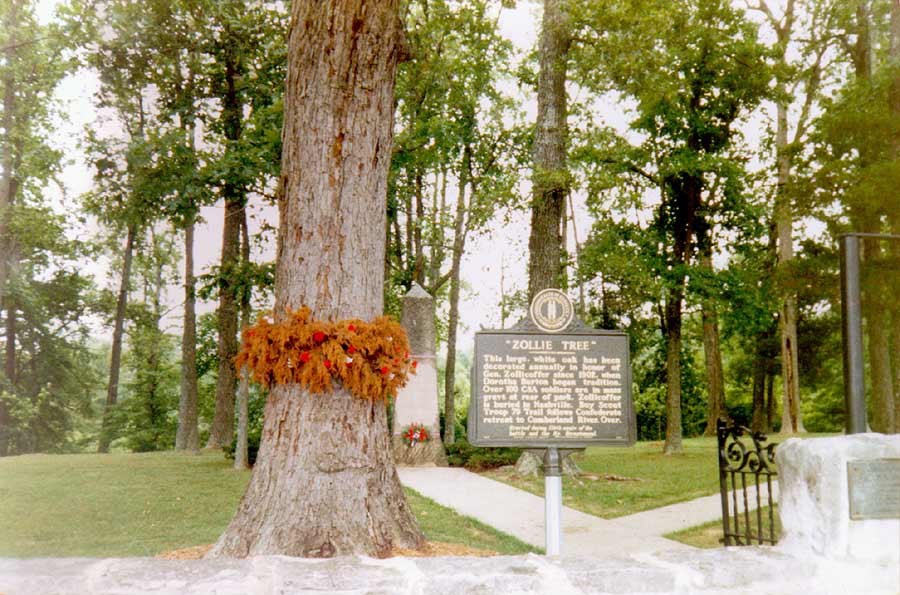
<point x="570" y="388"/>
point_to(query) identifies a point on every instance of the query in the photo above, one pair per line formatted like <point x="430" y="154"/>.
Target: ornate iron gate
<point x="746" y="477"/>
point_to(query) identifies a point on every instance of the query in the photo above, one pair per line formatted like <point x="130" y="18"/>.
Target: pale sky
<point x="503" y="246"/>
<point x="506" y="245"/>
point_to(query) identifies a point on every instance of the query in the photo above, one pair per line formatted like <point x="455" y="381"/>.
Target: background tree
<point x="43" y="295"/>
<point x="703" y="71"/>
<point x="550" y="183"/>
<point x="855" y="165"/>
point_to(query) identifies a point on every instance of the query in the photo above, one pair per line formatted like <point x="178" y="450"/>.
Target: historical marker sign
<point x="874" y="486"/>
<point x="551" y="383"/>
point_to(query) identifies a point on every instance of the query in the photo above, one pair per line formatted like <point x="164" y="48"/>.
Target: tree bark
<point x="459" y="243"/>
<point x="877" y="320"/>
<point x="241" y="457"/>
<point x="10" y="366"/>
<point x="791" y="420"/>
<point x="715" y="380"/>
<point x="673" y="370"/>
<point x="760" y="369"/>
<point x="877" y="313"/>
<point x="324" y="483"/>
<point x="187" y="437"/>
<point x="684" y="193"/>
<point x="894" y="215"/>
<point x="545" y="249"/>
<point x="115" y="360"/>
<point x="7" y="184"/>
<point x="221" y="432"/>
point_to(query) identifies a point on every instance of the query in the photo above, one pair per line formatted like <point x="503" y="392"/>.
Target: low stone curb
<point x="757" y="570"/>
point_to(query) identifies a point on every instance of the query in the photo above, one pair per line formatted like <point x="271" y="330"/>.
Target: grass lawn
<point x="622" y="481"/>
<point x="709" y="535"/>
<point x="143" y="504"/>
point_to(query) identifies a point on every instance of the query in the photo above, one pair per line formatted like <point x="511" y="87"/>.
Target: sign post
<point x="552" y="502"/>
<point x="553" y="383"/>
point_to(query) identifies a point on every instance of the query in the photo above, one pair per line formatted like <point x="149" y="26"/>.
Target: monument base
<point x="815" y="498"/>
<point x="421" y="454"/>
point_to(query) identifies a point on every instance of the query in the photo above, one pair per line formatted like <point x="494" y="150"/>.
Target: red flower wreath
<point x="414" y="434"/>
<point x="301" y="350"/>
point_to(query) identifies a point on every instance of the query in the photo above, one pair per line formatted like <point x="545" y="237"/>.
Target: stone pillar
<point x="417" y="402"/>
<point x="814" y="498"/>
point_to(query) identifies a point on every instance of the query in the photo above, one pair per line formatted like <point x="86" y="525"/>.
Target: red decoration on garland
<point x="415" y="433"/>
<point x="289" y="352"/>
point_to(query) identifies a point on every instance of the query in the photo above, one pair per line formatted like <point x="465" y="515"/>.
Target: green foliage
<point x="463" y="454"/>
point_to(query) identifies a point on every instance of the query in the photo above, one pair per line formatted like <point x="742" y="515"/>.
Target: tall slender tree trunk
<point x="115" y="360"/>
<point x="8" y="186"/>
<point x="324" y="483"/>
<point x="684" y="192"/>
<point x="241" y="457"/>
<point x="715" y="380"/>
<point x="10" y="366"/>
<point x="894" y="214"/>
<point x="548" y="208"/>
<point x="459" y="243"/>
<point x="760" y="369"/>
<point x="791" y="420"/>
<point x="878" y="319"/>
<point x="419" y="264"/>
<point x="221" y="433"/>
<point x="673" y="369"/>
<point x="187" y="437"/>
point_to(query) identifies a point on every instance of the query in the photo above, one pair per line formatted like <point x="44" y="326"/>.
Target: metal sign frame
<point x="575" y="330"/>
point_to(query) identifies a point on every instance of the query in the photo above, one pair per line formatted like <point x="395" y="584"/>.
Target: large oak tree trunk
<point x="548" y="208"/>
<point x="324" y="483"/>
<point x="187" y="436"/>
<point x="115" y="359"/>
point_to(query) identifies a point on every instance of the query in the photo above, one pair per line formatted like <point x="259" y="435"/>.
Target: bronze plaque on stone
<point x="874" y="486"/>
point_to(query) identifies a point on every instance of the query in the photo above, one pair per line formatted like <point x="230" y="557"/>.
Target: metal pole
<point x="852" y="336"/>
<point x="552" y="502"/>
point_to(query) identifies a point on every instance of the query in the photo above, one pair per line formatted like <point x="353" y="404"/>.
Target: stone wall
<point x="814" y="499"/>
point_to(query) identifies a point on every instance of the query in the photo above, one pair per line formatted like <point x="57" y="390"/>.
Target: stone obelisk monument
<point x="417" y="402"/>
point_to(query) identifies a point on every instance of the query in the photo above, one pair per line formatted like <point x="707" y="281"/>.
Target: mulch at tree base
<point x="431" y="549"/>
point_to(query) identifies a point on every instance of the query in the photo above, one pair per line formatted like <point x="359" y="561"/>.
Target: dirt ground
<point x="432" y="548"/>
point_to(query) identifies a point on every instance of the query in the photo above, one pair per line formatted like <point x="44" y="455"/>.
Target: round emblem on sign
<point x="551" y="310"/>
